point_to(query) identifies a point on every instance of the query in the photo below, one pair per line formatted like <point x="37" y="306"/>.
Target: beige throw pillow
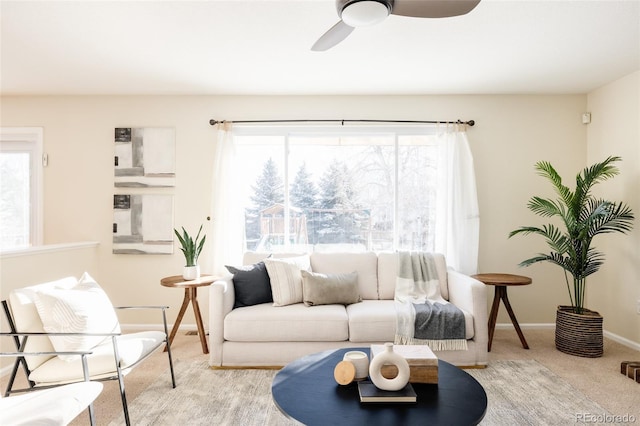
<point x="286" y="281"/>
<point x="321" y="289"/>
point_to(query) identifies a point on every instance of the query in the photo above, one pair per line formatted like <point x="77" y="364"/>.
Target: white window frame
<point x="29" y="139"/>
<point x="288" y="131"/>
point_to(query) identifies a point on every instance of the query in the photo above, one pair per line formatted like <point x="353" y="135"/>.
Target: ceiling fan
<point x="360" y="13"/>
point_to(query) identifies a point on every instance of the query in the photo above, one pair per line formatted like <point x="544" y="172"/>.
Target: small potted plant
<point x="191" y="249"/>
<point x="582" y="216"/>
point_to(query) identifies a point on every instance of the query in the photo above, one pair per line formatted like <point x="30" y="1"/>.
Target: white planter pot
<point x="191" y="272"/>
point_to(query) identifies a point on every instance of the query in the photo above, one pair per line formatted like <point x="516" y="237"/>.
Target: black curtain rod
<point x="469" y="123"/>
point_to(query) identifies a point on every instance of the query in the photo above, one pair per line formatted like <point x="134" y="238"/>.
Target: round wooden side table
<point x="190" y="295"/>
<point x="501" y="282"/>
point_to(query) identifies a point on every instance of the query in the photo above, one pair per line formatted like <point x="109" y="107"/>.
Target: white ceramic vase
<point x="389" y="357"/>
<point x="191" y="272"/>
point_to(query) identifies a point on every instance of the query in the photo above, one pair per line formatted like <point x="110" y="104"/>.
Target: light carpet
<point x="522" y="392"/>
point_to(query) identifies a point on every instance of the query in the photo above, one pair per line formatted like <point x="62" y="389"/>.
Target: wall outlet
<point x="586" y="118"/>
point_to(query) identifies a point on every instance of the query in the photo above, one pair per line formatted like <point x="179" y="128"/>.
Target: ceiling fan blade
<point x="433" y="8"/>
<point x="333" y="36"/>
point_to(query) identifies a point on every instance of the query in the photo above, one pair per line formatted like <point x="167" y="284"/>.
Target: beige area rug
<point x="522" y="392"/>
<point x="525" y="392"/>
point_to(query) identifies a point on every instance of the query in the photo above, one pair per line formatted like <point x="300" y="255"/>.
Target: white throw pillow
<point x="83" y="308"/>
<point x="286" y="281"/>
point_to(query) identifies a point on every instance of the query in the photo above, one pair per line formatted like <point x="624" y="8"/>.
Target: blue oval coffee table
<point x="306" y="390"/>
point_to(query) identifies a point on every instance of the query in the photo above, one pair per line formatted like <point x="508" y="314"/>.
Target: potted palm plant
<point x="583" y="216"/>
<point x="191" y="249"/>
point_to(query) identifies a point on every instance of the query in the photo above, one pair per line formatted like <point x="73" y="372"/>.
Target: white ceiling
<point x="262" y="47"/>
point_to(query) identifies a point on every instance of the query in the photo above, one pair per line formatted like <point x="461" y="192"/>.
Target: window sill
<point x="47" y="249"/>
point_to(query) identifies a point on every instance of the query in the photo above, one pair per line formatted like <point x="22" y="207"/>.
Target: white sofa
<point x="265" y="335"/>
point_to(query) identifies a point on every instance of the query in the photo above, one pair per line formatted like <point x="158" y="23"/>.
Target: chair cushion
<point x="83" y="308"/>
<point x="57" y="406"/>
<point x="132" y="348"/>
<point x="328" y="289"/>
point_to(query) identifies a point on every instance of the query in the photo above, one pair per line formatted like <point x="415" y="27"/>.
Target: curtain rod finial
<point x="471" y="123"/>
<point x="213" y="122"/>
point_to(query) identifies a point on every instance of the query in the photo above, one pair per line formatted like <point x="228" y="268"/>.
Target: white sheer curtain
<point x="227" y="227"/>
<point x="457" y="219"/>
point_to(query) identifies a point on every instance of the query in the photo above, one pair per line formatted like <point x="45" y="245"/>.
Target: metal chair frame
<point x="20" y="355"/>
<point x="20" y="360"/>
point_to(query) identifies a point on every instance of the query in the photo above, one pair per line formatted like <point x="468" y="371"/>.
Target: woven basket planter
<point x="579" y="334"/>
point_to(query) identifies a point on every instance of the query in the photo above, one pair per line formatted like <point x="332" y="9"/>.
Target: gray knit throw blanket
<point x="423" y="317"/>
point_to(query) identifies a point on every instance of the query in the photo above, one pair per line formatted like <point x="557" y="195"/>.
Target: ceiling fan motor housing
<point x="360" y="13"/>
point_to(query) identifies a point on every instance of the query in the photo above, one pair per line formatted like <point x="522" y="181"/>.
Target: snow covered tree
<point x="304" y="192"/>
<point x="336" y="187"/>
<point x="304" y="195"/>
<point x="268" y="190"/>
<point x="340" y="220"/>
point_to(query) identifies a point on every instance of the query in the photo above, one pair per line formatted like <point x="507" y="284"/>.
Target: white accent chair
<point x="114" y="356"/>
<point x="54" y="406"/>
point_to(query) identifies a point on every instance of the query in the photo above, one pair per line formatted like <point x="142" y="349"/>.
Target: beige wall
<point x="49" y="264"/>
<point x="615" y="130"/>
<point x="511" y="134"/>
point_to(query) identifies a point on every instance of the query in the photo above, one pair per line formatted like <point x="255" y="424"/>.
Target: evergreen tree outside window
<point x="338" y="189"/>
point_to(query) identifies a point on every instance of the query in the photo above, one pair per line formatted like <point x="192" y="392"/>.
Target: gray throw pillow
<point x="328" y="289"/>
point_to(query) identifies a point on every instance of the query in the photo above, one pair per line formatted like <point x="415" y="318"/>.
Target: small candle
<point x="360" y="361"/>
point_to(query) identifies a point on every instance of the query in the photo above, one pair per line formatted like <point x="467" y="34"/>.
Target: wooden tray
<point x="423" y="364"/>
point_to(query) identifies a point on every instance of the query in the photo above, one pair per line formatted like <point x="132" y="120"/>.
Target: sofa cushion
<point x="327" y="289"/>
<point x="375" y="320"/>
<point x="297" y="322"/>
<point x="286" y="280"/>
<point x="388" y="270"/>
<point x="251" y="284"/>
<point x="365" y="264"/>
<point x="372" y="321"/>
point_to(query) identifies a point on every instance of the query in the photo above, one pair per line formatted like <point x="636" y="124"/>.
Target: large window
<point x="346" y="189"/>
<point x="20" y="188"/>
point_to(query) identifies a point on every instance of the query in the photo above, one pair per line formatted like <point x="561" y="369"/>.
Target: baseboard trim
<point x="157" y="327"/>
<point x="622" y="340"/>
<point x="530" y="326"/>
<point x="550" y="326"/>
